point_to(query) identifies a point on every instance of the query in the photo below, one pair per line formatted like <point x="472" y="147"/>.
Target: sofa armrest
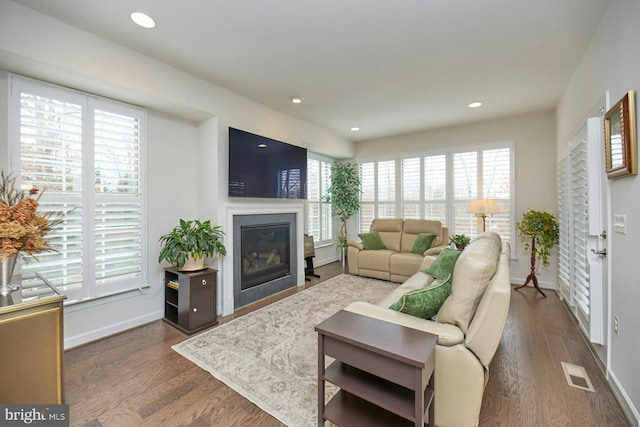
<point x="435" y="251"/>
<point x="356" y="244"/>
<point x="449" y="335"/>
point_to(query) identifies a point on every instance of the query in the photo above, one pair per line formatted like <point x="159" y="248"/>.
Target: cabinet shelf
<point x="346" y="409"/>
<point x="382" y="393"/>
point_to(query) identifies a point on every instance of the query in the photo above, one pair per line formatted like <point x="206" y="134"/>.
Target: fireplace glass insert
<point x="265" y="253"/>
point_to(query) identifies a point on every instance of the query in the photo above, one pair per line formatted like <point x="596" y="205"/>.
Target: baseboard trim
<point x="96" y="334"/>
<point x="630" y="411"/>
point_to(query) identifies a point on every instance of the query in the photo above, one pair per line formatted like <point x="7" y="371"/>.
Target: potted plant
<point x="460" y="240"/>
<point x="188" y="243"/>
<point x="344" y="195"/>
<point x="539" y="232"/>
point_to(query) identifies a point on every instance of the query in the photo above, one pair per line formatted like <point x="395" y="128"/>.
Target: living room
<point x="188" y="120"/>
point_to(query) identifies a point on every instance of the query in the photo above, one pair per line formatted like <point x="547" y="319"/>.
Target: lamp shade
<point x="483" y="206"/>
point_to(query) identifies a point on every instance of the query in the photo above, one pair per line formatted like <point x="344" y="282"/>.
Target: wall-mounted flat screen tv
<point x="265" y="168"/>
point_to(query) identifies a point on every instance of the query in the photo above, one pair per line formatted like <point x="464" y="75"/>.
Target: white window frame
<point x="89" y="286"/>
<point x="450" y="201"/>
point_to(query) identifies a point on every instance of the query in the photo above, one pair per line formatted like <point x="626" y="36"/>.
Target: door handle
<point x="597" y="252"/>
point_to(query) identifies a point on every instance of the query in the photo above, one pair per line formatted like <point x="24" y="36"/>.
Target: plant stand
<point x="532" y="275"/>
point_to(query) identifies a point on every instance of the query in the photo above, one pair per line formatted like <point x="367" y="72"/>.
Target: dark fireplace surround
<point x="264" y="256"/>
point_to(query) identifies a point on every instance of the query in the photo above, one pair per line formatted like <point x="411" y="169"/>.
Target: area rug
<point x="270" y="356"/>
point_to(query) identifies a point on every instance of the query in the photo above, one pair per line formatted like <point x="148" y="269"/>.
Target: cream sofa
<point x="469" y="325"/>
<point x="396" y="263"/>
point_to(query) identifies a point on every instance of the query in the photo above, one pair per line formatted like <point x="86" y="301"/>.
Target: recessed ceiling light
<point x="143" y="20"/>
<point x="262" y="145"/>
<point x="475" y="104"/>
<point x="296" y="99"/>
<point x="355" y="129"/>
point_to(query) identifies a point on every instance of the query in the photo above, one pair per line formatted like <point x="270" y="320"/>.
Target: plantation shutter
<point x="435" y="188"/>
<point x="411" y="188"/>
<point x="313" y="198"/>
<point x="118" y="197"/>
<point x="580" y="224"/>
<point x="564" y="223"/>
<point x="50" y="157"/>
<point x="367" y="196"/>
<point x="386" y="189"/>
<point x="496" y="184"/>
<point x="465" y="189"/>
<point x="319" y="212"/>
<point x="88" y="155"/>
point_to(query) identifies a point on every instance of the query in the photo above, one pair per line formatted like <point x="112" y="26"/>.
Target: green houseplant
<point x="539" y="232"/>
<point x="460" y="240"/>
<point x="191" y="239"/>
<point x="344" y="195"/>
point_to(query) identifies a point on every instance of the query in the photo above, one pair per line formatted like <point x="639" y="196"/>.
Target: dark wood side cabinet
<point x="190" y="299"/>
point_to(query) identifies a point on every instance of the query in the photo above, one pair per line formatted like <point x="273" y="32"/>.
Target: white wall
<point x="535" y="165"/>
<point x="188" y="128"/>
<point x="611" y="63"/>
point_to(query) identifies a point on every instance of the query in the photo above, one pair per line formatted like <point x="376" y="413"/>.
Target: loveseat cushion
<point x="375" y="260"/>
<point x="412" y="229"/>
<point x="371" y="240"/>
<point x="424" y="302"/>
<point x="390" y="232"/>
<point x="473" y="270"/>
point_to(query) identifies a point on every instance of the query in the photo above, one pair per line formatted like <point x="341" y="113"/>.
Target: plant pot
<point x="193" y="264"/>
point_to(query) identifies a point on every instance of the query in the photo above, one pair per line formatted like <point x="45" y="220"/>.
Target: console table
<point x="31" y="339"/>
<point x="385" y="372"/>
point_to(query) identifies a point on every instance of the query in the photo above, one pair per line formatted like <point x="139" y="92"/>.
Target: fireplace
<point x="264" y="256"/>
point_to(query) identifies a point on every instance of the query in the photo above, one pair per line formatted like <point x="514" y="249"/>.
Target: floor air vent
<point x="577" y="377"/>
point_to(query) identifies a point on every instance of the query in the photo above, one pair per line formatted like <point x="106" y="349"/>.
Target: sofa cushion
<point x="375" y="260"/>
<point x="474" y="269"/>
<point x="448" y="335"/>
<point x="371" y="240"/>
<point x="417" y="281"/>
<point x="390" y="232"/>
<point x="422" y="243"/>
<point x="412" y="229"/>
<point x="404" y="264"/>
<point x="442" y="267"/>
<point x="424" y="302"/>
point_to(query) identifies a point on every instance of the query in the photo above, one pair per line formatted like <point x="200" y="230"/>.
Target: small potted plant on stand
<point x="460" y="240"/>
<point x="541" y="229"/>
<point x="344" y="196"/>
<point x="188" y="243"/>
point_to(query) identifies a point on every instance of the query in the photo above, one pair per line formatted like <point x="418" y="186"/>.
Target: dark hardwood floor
<point x="136" y="379"/>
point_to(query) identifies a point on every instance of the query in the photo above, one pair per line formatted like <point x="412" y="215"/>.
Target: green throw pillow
<point x="371" y="240"/>
<point x="425" y="302"/>
<point x="423" y="242"/>
<point x="442" y="266"/>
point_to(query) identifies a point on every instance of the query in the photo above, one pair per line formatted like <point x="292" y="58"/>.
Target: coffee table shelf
<point x="384" y="371"/>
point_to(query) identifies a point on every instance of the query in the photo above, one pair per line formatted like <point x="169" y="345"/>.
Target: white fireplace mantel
<point x="225" y="291"/>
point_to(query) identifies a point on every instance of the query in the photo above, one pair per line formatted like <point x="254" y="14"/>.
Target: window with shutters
<point x="440" y="186"/>
<point x="88" y="154"/>
<point x="319" y="223"/>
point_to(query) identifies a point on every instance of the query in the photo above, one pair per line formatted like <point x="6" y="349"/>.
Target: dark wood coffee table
<point x="384" y="372"/>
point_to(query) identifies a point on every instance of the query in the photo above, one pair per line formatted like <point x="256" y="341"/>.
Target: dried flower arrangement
<point x="22" y="227"/>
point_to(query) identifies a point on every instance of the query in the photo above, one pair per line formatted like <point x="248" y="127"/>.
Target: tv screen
<point x="266" y="168"/>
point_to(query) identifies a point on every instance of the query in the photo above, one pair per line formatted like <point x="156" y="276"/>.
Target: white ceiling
<point x="388" y="67"/>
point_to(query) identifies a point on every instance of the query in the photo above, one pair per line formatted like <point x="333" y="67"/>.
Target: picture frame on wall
<point x="620" y="144"/>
